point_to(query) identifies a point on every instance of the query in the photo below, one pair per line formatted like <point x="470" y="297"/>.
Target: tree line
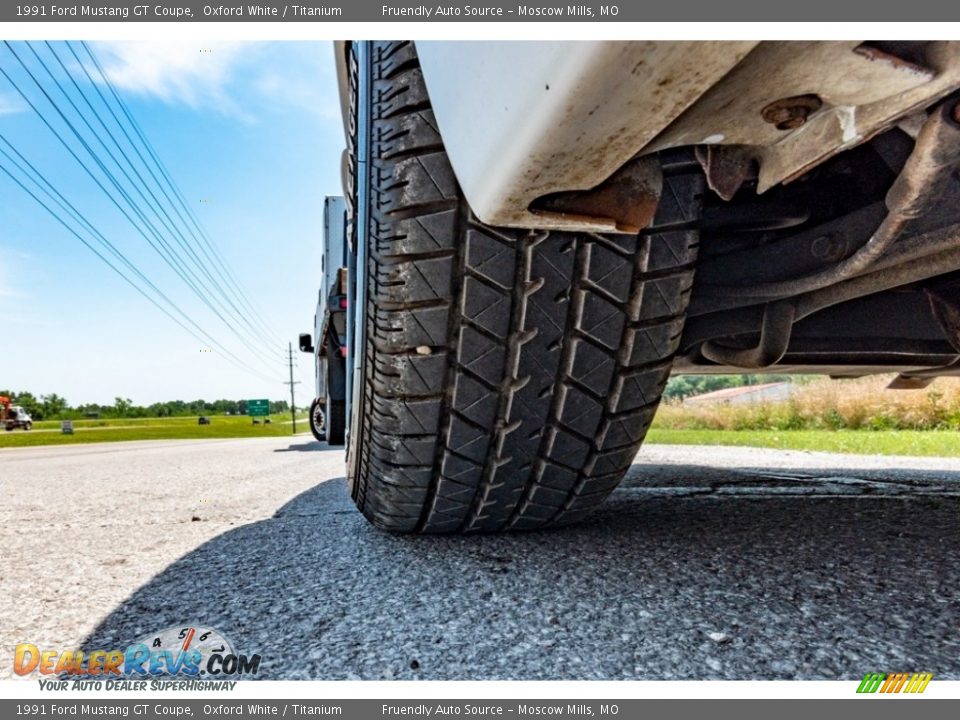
<point x="55" y="407"/>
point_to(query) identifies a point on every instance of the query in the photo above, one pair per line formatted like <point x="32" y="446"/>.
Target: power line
<point x="146" y="164"/>
<point x="170" y="257"/>
<point x="51" y="192"/>
<point x="229" y="355"/>
<point x="166" y="220"/>
<point x="194" y="282"/>
<point x="220" y="288"/>
<point x="215" y="256"/>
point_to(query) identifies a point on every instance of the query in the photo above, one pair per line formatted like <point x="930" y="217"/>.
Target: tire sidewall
<point x="358" y="235"/>
<point x="318" y="432"/>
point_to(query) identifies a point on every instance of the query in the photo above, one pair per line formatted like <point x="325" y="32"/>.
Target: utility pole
<point x="293" y="407"/>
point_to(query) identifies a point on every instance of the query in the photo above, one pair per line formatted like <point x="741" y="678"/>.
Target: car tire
<point x="508" y="377"/>
<point x="317" y="419"/>
<point x="28" y="426"/>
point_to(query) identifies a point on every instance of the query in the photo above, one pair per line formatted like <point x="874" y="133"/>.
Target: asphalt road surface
<point x="707" y="563"/>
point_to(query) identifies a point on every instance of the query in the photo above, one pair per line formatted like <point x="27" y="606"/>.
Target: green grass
<point x="901" y="442"/>
<point x="933" y="443"/>
<point x="47" y="432"/>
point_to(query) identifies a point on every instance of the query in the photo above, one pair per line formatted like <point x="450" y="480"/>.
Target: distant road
<point x="709" y="562"/>
<point x="302" y="423"/>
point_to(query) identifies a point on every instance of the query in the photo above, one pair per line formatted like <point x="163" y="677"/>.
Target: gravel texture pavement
<point x="708" y="562"/>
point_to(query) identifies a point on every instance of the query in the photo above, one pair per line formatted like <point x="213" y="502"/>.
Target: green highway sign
<point x="257" y="408"/>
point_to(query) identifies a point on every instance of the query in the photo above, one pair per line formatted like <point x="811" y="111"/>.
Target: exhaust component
<point x="708" y="327"/>
<point x="905" y="381"/>
<point x="775" y="334"/>
<point x="916" y="270"/>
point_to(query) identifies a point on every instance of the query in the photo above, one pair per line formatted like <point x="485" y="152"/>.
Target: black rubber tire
<point x="317" y="423"/>
<point x="508" y="376"/>
<point x="336" y="422"/>
<point x="28" y="426"/>
<point x="336" y="410"/>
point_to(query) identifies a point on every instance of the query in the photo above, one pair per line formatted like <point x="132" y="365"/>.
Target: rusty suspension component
<point x="915" y="191"/>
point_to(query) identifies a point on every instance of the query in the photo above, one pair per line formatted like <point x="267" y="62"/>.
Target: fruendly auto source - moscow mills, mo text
<point x="445" y="11"/>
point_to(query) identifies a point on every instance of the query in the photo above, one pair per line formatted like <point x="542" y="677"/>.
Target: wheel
<point x="316" y="419"/>
<point x="336" y="411"/>
<point x="28" y="426"/>
<point x="336" y="422"/>
<point x="508" y="377"/>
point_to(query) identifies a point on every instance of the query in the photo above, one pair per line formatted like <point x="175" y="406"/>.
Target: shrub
<point x="851" y="404"/>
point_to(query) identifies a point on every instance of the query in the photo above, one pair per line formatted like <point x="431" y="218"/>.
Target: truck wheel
<point x="508" y="377"/>
<point x="336" y="422"/>
<point x="316" y="419"/>
<point x="28" y="426"/>
<point x="336" y="411"/>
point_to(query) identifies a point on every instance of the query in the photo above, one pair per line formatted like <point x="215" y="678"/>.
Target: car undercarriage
<point x="851" y="269"/>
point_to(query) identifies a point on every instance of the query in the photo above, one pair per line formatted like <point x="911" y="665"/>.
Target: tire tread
<point x="512" y="374"/>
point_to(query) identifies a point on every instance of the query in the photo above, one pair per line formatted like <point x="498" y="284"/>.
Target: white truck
<point x="14" y="416"/>
<point x="328" y="408"/>
<point x="538" y="234"/>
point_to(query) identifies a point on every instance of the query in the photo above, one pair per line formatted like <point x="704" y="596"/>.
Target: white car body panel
<point x="520" y="120"/>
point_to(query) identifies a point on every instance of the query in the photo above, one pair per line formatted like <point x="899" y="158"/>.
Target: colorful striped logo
<point x="894" y="682"/>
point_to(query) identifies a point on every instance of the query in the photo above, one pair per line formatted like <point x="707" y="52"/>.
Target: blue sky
<point x="252" y="135"/>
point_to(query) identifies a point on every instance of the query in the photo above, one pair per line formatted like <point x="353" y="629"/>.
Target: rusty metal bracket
<point x="629" y="198"/>
<point x="727" y="167"/>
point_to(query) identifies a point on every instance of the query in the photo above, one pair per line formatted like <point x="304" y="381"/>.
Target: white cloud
<point x="296" y="76"/>
<point x="8" y="291"/>
<point x="231" y="78"/>
<point x="10" y="104"/>
<point x="193" y="74"/>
